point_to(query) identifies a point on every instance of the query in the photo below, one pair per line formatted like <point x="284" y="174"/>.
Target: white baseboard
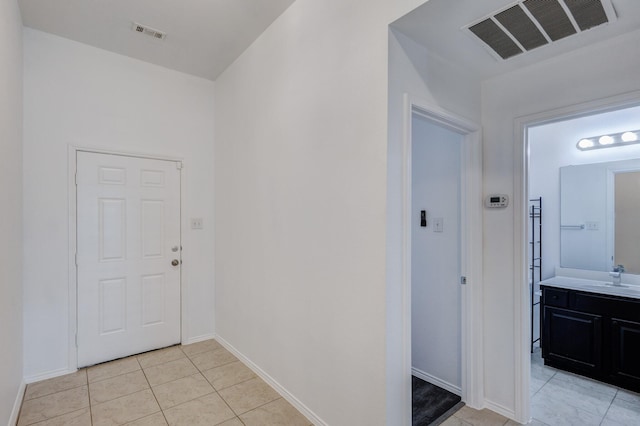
<point x="13" y="418"/>
<point x="303" y="409"/>
<point x="49" y="375"/>
<point x="197" y="339"/>
<point x="436" y="381"/>
<point x="500" y="409"/>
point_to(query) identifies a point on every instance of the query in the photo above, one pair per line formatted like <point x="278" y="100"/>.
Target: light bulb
<point x="629" y="137"/>
<point x="605" y="140"/>
<point x="585" y="143"/>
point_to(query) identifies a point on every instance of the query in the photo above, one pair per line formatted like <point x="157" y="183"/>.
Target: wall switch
<point x="593" y="226"/>
<point x="196" y="223"/>
<point x="438" y="224"/>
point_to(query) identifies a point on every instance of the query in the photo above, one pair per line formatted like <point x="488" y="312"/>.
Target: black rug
<point x="430" y="402"/>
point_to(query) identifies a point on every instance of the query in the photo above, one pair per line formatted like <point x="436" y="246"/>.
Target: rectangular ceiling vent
<point x="151" y="32"/>
<point x="528" y="24"/>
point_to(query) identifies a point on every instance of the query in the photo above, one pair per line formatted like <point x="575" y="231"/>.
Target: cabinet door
<point x="625" y="339"/>
<point x="572" y="339"/>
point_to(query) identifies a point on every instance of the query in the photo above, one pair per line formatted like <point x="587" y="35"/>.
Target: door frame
<point x="521" y="294"/>
<point x="472" y="381"/>
<point x="72" y="242"/>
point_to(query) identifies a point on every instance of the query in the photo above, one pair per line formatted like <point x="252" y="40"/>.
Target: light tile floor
<point x="198" y="384"/>
<point x="559" y="398"/>
<point x="204" y="384"/>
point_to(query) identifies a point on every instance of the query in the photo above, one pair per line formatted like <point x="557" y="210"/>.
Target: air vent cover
<point x="151" y="32"/>
<point x="529" y="24"/>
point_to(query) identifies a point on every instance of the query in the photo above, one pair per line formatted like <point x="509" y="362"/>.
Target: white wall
<point x="301" y="154"/>
<point x="80" y="95"/>
<point x="11" y="205"/>
<point x="414" y="71"/>
<point x="581" y="76"/>
<point x="435" y="256"/>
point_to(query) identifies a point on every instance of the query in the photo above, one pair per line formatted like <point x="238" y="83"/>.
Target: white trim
<point x="73" y="284"/>
<point x="17" y="404"/>
<point x="471" y="211"/>
<point x="49" y="375"/>
<point x="500" y="409"/>
<point x="522" y="320"/>
<point x="612" y="171"/>
<point x="436" y="381"/>
<point x="610" y="217"/>
<point x="200" y="338"/>
<point x="303" y="409"/>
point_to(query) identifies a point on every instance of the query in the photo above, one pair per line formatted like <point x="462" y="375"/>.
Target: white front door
<point x="128" y="255"/>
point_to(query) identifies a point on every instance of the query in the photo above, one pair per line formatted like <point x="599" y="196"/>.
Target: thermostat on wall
<point x="496" y="201"/>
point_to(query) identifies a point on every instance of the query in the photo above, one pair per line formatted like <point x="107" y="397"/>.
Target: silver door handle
<point x="175" y="262"/>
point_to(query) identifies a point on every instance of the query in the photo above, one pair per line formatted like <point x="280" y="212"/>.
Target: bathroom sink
<point x="593" y="286"/>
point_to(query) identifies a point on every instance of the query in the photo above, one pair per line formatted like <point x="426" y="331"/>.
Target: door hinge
<point x="463" y="280"/>
<point x="76" y="258"/>
<point x="76" y="340"/>
<point x="76" y="178"/>
<point x="179" y="165"/>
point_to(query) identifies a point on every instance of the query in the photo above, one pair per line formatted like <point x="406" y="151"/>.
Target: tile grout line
<point x="545" y="384"/>
<point x="262" y="405"/>
<point x="111" y="377"/>
<point x="89" y="396"/>
<point x="223" y="400"/>
<point x="230" y="386"/>
<point x="609" y="407"/>
<point x="200" y="373"/>
<point x="152" y="392"/>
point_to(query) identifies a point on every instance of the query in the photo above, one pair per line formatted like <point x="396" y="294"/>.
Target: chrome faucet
<point x="617" y="275"/>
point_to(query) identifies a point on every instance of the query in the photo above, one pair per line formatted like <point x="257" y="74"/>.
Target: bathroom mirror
<point x="599" y="220"/>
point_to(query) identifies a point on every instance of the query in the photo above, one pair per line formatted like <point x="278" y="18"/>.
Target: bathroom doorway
<point x="577" y="240"/>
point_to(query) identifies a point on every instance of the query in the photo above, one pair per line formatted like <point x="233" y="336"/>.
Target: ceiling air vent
<point x="528" y="24"/>
<point x="151" y="32"/>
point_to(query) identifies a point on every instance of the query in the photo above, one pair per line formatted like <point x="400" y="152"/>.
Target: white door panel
<point x="128" y="226"/>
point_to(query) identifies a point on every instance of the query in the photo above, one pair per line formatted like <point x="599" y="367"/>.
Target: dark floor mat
<point x="429" y="402"/>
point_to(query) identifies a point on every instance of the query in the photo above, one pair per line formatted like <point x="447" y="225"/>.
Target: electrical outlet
<point x="438" y="225"/>
<point x="593" y="226"/>
<point x="196" y="223"/>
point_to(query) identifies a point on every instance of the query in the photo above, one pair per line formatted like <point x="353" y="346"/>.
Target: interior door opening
<point x="436" y="328"/>
<point x="580" y="224"/>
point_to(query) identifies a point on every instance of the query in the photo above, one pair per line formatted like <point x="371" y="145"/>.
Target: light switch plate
<point x="438" y="224"/>
<point x="196" y="223"/>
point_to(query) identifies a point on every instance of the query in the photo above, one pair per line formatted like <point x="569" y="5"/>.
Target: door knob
<point x="175" y="262"/>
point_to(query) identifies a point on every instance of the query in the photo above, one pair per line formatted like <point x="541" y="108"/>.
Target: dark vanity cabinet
<point x="625" y="351"/>
<point x="592" y="334"/>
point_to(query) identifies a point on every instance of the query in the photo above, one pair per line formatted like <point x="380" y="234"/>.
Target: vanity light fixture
<point x="609" y="141"/>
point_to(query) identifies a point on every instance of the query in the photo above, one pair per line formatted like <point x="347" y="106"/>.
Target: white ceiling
<point x="203" y="36"/>
<point x="438" y="25"/>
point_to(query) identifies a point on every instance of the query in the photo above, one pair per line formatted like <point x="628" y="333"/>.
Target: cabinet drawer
<point x="556" y="297"/>
<point x="609" y="306"/>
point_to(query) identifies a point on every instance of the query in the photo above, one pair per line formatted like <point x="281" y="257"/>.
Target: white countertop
<point x="593" y="286"/>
